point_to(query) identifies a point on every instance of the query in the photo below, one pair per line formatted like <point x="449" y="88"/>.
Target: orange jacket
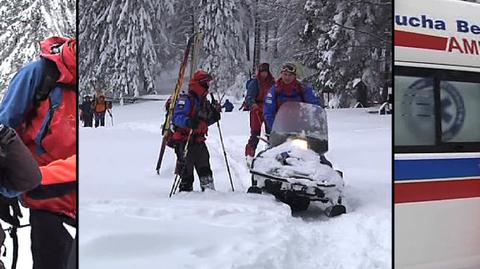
<point x="57" y="190"/>
<point x="60" y="171"/>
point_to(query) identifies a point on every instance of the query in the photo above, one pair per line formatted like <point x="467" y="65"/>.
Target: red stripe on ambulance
<point x="449" y="44"/>
<point x="421" y="41"/>
<point x="436" y="190"/>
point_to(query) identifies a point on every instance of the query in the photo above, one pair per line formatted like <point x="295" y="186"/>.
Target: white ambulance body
<point x="437" y="134"/>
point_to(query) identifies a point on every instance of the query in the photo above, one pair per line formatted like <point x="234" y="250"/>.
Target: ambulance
<point x="436" y="134"/>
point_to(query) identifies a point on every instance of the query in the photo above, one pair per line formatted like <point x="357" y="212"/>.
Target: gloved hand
<point x="7" y="135"/>
<point x="193" y="123"/>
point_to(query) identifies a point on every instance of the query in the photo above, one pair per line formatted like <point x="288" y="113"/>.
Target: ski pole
<point x="177" y="179"/>
<point x="263" y="140"/>
<point x="223" y="148"/>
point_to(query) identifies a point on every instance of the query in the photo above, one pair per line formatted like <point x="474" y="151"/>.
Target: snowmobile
<point x="293" y="168"/>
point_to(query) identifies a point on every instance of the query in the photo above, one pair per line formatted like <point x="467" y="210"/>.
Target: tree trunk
<point x="247" y="44"/>
<point x="193" y="29"/>
<point x="256" y="45"/>
<point x="275" y="43"/>
<point x="266" y="36"/>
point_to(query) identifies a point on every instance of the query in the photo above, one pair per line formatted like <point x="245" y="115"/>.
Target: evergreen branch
<point x="363" y="32"/>
<point x="386" y="4"/>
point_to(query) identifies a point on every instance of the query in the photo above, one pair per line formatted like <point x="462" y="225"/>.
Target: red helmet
<point x="200" y="82"/>
<point x="202" y="77"/>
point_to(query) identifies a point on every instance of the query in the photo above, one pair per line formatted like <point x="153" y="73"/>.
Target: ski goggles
<point x="289" y="68"/>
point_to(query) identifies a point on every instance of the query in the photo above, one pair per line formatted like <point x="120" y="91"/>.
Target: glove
<point x="193" y="123"/>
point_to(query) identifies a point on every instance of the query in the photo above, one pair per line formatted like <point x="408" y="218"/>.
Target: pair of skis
<point x="167" y="131"/>
<point x="166" y="127"/>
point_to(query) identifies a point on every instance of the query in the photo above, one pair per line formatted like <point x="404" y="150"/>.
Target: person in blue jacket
<point x="192" y="115"/>
<point x="228" y="106"/>
<point x="286" y="89"/>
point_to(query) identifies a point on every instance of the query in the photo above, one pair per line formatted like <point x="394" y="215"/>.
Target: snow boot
<point x="185" y="187"/>
<point x="249" y="160"/>
<point x="206" y="182"/>
<point x="186" y="184"/>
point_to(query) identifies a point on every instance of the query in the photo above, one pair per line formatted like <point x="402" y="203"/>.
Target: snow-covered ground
<point x="128" y="221"/>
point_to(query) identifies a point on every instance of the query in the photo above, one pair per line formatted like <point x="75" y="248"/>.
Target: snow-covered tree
<point x="223" y="47"/>
<point x="120" y="50"/>
<point x="23" y="24"/>
<point x="348" y="41"/>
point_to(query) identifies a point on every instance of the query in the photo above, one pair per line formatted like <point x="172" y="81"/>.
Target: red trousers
<point x="256" y="121"/>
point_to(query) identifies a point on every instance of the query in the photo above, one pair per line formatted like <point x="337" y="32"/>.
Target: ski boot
<point x="249" y="160"/>
<point x="206" y="182"/>
<point x="186" y="184"/>
<point x="185" y="187"/>
<point x="254" y="188"/>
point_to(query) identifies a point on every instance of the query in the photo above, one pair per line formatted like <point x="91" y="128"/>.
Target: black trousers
<point x="88" y="120"/>
<point x="197" y="157"/>
<point x="51" y="242"/>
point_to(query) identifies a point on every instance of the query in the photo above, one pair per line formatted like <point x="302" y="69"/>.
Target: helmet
<point x="203" y="78"/>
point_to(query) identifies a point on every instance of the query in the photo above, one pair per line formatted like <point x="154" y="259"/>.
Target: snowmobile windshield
<point x="295" y="120"/>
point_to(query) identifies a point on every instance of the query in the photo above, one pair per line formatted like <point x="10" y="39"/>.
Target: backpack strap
<point x="50" y="77"/>
<point x="55" y="99"/>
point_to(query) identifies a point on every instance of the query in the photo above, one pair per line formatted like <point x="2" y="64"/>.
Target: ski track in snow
<point x="127" y="219"/>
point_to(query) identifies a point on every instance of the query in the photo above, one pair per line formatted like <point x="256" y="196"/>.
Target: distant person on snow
<point x="194" y="112"/>
<point x="286" y="89"/>
<point x="87" y="111"/>
<point x="256" y="90"/>
<point x="99" y="109"/>
<point x="41" y="104"/>
<point x="228" y="106"/>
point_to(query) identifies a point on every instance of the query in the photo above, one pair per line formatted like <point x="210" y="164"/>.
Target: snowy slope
<point x="127" y="219"/>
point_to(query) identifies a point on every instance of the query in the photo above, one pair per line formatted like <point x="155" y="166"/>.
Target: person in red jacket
<point x="256" y="90"/>
<point x="41" y="103"/>
<point x="192" y="115"/>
